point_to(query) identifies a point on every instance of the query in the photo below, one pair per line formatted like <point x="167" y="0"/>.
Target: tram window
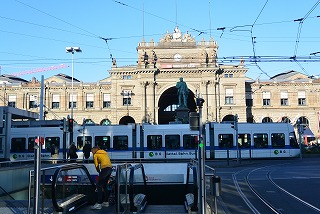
<point x="18" y="144"/>
<point x="190" y="141"/>
<point x="31" y="143"/>
<point x="225" y="140"/>
<point x="172" y="141"/>
<point x="80" y="141"/>
<point x="244" y="140"/>
<point x="260" y="140"/>
<point x="52" y="140"/>
<point x="120" y="142"/>
<point x="293" y="140"/>
<point x="154" y="142"/>
<point x="1" y="143"/>
<point x="277" y="140"/>
<point x="102" y="141"/>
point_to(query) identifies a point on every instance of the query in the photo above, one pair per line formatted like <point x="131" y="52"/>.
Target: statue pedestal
<point x="182" y="114"/>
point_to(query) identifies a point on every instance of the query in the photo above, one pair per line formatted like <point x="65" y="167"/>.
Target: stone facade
<point x="146" y="92"/>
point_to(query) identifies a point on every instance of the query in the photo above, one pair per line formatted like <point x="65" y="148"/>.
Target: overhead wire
<point x="95" y="35"/>
<point x="45" y="26"/>
<point x="253" y="40"/>
<point x="68" y="23"/>
<point x="159" y="17"/>
<point x="301" y="21"/>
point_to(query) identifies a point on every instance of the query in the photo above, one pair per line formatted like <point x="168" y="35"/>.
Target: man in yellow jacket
<point x="104" y="168"/>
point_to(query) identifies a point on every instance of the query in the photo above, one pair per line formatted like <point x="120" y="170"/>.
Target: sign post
<point x="201" y="167"/>
<point x="39" y="141"/>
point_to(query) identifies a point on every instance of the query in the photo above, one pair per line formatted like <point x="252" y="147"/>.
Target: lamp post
<point x="72" y="50"/>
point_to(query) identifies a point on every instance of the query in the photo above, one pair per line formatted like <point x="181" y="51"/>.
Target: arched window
<point x="303" y="121"/>
<point x="105" y="122"/>
<point x="88" y="122"/>
<point x="285" y="120"/>
<point x="266" y="120"/>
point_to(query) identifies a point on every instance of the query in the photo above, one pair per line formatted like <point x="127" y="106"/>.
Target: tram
<point x="160" y="142"/>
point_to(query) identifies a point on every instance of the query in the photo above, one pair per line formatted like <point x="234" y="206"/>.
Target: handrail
<point x="118" y="183"/>
<point x="131" y="184"/>
<point x="55" y="179"/>
<point x="7" y="193"/>
<point x="190" y="166"/>
<point x="31" y="174"/>
<point x="193" y="162"/>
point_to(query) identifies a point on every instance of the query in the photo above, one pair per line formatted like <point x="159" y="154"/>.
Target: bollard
<point x="216" y="185"/>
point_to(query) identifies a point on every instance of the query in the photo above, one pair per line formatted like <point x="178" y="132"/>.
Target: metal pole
<point x="83" y="137"/>
<point x="41" y="98"/>
<point x="37" y="167"/>
<point x="201" y="176"/>
<point x="236" y="140"/>
<point x="64" y="140"/>
<point x="236" y="134"/>
<point x="300" y="131"/>
<point x="72" y="65"/>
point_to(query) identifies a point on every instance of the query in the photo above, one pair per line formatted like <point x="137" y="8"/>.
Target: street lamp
<point x="72" y="50"/>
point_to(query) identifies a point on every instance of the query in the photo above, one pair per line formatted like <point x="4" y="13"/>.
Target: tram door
<point x="3" y="135"/>
<point x="2" y="144"/>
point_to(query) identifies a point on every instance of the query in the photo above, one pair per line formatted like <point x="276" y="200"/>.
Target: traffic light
<point x="194" y="120"/>
<point x="64" y="124"/>
<point x="70" y="125"/>
<point x="235" y="122"/>
<point x="199" y="102"/>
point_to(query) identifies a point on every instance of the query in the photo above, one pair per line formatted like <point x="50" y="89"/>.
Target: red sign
<point x="71" y="178"/>
<point x="39" y="140"/>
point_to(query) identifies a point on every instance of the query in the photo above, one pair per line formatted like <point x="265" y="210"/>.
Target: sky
<point x="272" y="36"/>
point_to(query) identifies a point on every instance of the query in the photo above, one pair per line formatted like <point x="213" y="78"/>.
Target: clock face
<point x="177" y="57"/>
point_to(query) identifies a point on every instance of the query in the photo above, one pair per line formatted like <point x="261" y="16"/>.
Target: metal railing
<point x="134" y="179"/>
<point x="212" y="187"/>
<point x="47" y="178"/>
<point x="122" y="180"/>
<point x="192" y="196"/>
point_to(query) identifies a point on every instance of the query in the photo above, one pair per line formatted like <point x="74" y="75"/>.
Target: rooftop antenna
<point x="143" y="20"/>
<point x="176" y="14"/>
<point x="210" y="17"/>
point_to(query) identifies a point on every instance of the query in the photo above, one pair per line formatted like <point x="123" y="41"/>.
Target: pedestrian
<point x="103" y="166"/>
<point x="72" y="153"/>
<point x="54" y="153"/>
<point x="86" y="150"/>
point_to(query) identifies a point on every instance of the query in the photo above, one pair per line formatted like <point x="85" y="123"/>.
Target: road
<point x="269" y="186"/>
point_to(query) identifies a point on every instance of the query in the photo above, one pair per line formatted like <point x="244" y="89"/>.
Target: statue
<point x="176" y="34"/>
<point x="183" y="92"/>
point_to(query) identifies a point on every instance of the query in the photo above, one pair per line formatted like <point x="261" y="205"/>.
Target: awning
<point x="308" y="133"/>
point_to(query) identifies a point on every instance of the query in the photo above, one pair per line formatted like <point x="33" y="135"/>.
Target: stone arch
<point x="168" y="103"/>
<point x="89" y="122"/>
<point x="126" y="120"/>
<point x="304" y="121"/>
<point x="267" y="120"/>
<point x="228" y="118"/>
<point x="169" y="86"/>
<point x="285" y="120"/>
<point x="105" y="122"/>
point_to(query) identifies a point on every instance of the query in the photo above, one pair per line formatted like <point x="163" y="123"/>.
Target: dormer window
<point x="127" y="77"/>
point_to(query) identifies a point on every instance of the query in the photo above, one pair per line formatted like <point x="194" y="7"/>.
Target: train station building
<point x="146" y="92"/>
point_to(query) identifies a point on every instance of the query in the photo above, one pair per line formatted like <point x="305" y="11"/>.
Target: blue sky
<point x="35" y="33"/>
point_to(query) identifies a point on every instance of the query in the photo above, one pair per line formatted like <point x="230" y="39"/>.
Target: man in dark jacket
<point x="72" y="153"/>
<point x="86" y="150"/>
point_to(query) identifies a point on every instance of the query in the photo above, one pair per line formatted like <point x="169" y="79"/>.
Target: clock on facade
<point x="177" y="57"/>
